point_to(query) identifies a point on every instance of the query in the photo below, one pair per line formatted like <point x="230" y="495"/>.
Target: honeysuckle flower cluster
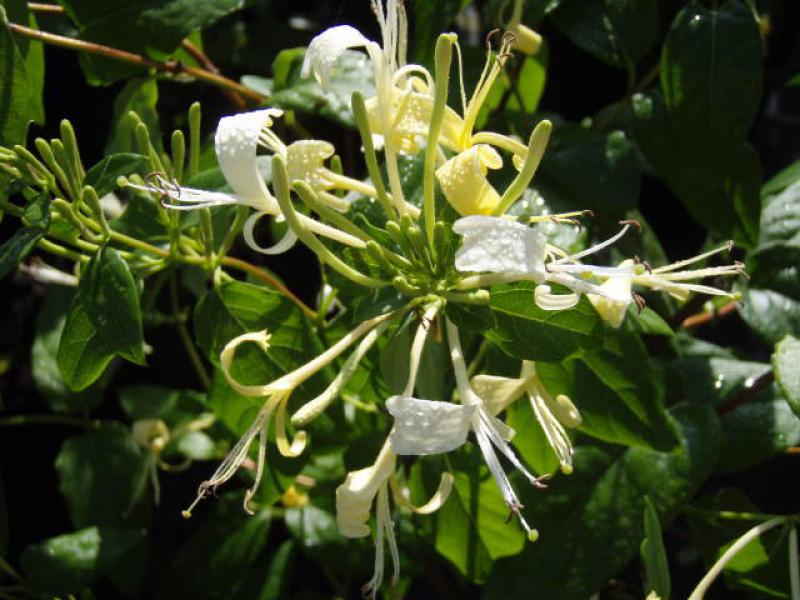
<point x="408" y="116"/>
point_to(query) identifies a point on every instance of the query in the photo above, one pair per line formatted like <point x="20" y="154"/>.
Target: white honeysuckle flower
<point x="236" y="143"/>
<point x="498" y="392"/>
<point x="326" y="48"/>
<point x="496" y="245"/>
<point x="427" y="426"/>
<point x="463" y="180"/>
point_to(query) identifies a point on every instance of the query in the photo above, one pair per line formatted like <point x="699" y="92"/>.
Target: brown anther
<point x="489" y="37"/>
<point x="633" y="222"/>
<point x="640" y="303"/>
<point x="587" y="213"/>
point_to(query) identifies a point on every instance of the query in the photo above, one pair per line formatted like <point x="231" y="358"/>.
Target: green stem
<point x="183" y="331"/>
<point x="362" y="122"/>
<point x="57" y="250"/>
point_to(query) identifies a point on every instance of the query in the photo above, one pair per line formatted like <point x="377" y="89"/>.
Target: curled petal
<point x="298" y="444"/>
<point x="354" y="496"/>
<point x="261" y="339"/>
<point x="285" y="243"/>
<point x="546" y="300"/>
<point x="427" y="426"/>
<point x="236" y="141"/>
<point x="497" y="245"/>
<point x="326" y="48"/>
<point x="463" y="180"/>
<point x="436" y="501"/>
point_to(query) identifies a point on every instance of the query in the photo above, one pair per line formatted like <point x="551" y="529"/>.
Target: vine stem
<point x="708" y="316"/>
<point x="751" y="534"/>
<point x="183" y="331"/>
<point x="175" y="67"/>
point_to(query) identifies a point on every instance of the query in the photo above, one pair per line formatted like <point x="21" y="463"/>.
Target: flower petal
<point x="354" y="496"/>
<point x="326" y="48"/>
<point x="304" y="162"/>
<point x="547" y="300"/>
<point x="498" y="392"/>
<point x="497" y="245"/>
<point x="463" y="180"/>
<point x="284" y="244"/>
<point x="612" y="310"/>
<point x="236" y="142"/>
<point x="427" y="426"/>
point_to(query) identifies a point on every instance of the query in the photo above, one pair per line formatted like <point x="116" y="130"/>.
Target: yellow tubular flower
<point x="464" y="183"/>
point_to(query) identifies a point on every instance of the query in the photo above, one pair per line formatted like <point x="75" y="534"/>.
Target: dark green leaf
<point x="430" y="19"/>
<point x="585" y="170"/>
<point x="19" y="102"/>
<point x="141" y="26"/>
<point x="104" y="321"/>
<point x="618" y="32"/>
<point x="99" y="472"/>
<point x="711" y="75"/>
<point x="591" y="523"/>
<point x="653" y="554"/>
<point x="68" y="563"/>
<point x="525" y="331"/>
<point x="786" y="364"/>
<point x="49" y="382"/>
<point x="271" y="577"/>
<point x="354" y="73"/>
<point x="772" y="314"/>
<point x="103" y="176"/>
<point x="214" y="562"/>
<point x="17" y="247"/>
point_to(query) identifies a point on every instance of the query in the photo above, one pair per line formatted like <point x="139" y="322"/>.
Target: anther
<point x="639" y="301"/>
<point x="633" y="222"/>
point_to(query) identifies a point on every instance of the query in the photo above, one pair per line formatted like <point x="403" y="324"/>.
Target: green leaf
<point x="98" y="473"/>
<point x="653" y="554"/>
<point x="67" y="563"/>
<point x="16" y="248"/>
<point x="753" y="431"/>
<point x="618" y="32"/>
<point x="271" y="577"/>
<point x="19" y="102"/>
<point x="472" y="529"/>
<point x="103" y="176"/>
<point x="104" y="321"/>
<point x="154" y="29"/>
<point x="773" y="315"/>
<point x="430" y="19"/>
<point x="140" y="96"/>
<point x="617" y="391"/>
<point x="591" y="522"/>
<point x="695" y="137"/>
<point x="711" y="75"/>
<point x="46" y="376"/>
<point x="786" y="364"/>
<point x="33" y="53"/>
<point x="234" y="308"/>
<point x="586" y="170"/>
<point x="218" y="556"/>
<point x="762" y="565"/>
<point x="525" y="331"/>
<point x="353" y="73"/>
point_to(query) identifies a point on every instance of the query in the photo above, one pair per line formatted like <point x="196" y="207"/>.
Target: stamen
<point x="601" y="245"/>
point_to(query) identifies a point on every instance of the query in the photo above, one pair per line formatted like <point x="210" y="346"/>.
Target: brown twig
<point x="175" y="67"/>
<point x="708" y="316"/>
<point x="743" y="394"/>
<point x="45" y="8"/>
<point x="203" y="59"/>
